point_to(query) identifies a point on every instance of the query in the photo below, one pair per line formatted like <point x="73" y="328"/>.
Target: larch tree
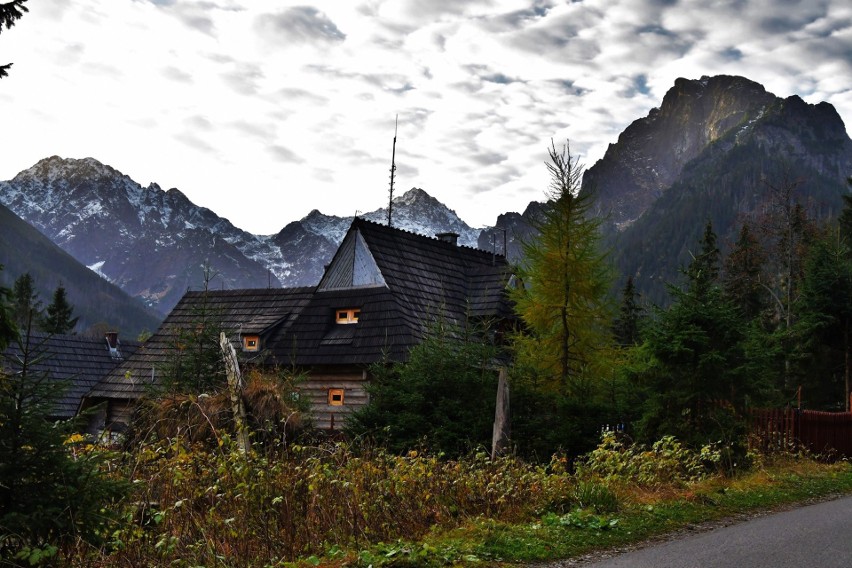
<point x="10" y="13"/>
<point x="845" y="219"/>
<point x="788" y="229"/>
<point x="564" y="298"/>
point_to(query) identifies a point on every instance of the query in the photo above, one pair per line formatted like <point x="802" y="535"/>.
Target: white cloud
<point x="299" y="24"/>
<point x="265" y="110"/>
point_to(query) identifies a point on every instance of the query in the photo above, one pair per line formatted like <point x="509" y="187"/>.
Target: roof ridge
<point x="382" y="226"/>
<point x="229" y="291"/>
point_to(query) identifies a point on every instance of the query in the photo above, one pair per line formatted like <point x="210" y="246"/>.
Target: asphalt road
<point x="815" y="536"/>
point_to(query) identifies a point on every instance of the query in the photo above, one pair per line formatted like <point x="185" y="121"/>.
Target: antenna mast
<point x="392" y="172"/>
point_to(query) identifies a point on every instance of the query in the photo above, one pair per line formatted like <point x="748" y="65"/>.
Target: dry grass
<point x="273" y="414"/>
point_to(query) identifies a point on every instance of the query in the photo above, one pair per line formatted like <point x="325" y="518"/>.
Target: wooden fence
<point x="827" y="433"/>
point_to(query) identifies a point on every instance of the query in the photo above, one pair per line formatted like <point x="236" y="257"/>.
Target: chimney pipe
<point x="112" y="343"/>
<point x="452" y="238"/>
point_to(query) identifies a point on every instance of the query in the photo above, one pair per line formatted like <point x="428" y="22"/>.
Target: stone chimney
<point x="452" y="238"/>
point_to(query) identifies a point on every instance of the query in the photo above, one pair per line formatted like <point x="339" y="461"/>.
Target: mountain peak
<point x="701" y="156"/>
<point x="412" y="196"/>
<point x="53" y="165"/>
<point x="651" y="153"/>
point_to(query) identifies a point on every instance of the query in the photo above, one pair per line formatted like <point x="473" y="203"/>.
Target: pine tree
<point x="10" y="13"/>
<point x="59" y="312"/>
<point x="564" y="301"/>
<point x="27" y="307"/>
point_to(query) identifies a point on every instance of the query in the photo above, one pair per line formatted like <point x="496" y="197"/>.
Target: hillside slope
<point x="96" y="301"/>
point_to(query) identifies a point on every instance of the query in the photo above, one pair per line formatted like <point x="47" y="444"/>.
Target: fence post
<point x="502" y="425"/>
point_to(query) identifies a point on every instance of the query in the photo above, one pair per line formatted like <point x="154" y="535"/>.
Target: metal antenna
<point x="392" y="172"/>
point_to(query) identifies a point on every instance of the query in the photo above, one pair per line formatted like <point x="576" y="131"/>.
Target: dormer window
<point x="347" y="316"/>
<point x="251" y="343"/>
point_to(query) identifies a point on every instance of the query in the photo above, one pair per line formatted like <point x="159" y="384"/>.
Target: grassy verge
<point x="642" y="514"/>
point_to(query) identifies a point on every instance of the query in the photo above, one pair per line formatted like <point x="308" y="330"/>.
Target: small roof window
<point x="347" y="315"/>
<point x="251" y="343"/>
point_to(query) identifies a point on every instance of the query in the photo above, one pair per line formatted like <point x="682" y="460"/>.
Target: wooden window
<point x="348" y="315"/>
<point x="251" y="343"/>
<point x="335" y="397"/>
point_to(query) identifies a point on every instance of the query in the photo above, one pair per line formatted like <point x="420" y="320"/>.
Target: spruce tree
<point x="50" y="499"/>
<point x="8" y="329"/>
<point x="699" y="373"/>
<point x="703" y="271"/>
<point x="743" y="269"/>
<point x="59" y="318"/>
<point x="10" y="13"/>
<point x="564" y="300"/>
<point x="626" y="328"/>
<point x="195" y="359"/>
<point x="823" y="331"/>
<point x="27" y="307"/>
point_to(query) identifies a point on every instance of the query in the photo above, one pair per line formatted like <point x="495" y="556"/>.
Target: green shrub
<point x="442" y="398"/>
<point x="545" y="423"/>
<point x="667" y="461"/>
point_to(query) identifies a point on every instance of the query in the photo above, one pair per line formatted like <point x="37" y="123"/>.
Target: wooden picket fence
<point x="824" y="433"/>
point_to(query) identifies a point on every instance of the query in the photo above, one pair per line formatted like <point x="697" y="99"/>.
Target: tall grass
<point x="202" y="506"/>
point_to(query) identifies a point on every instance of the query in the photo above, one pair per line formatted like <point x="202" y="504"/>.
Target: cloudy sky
<point x="263" y="110"/>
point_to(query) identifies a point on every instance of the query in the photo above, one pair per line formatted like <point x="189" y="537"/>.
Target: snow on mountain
<point x="152" y="243"/>
<point x="419" y="212"/>
<point x="155" y="244"/>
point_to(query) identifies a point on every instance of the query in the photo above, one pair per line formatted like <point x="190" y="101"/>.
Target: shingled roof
<point x="75" y="362"/>
<point x="398" y="280"/>
<point x="236" y="311"/>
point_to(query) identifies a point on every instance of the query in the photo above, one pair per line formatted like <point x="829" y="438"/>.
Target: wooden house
<point x="244" y="315"/>
<point x="72" y="364"/>
<point x="374" y="302"/>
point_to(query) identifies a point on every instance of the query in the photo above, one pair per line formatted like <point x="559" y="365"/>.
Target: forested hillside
<point x="96" y="302"/>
